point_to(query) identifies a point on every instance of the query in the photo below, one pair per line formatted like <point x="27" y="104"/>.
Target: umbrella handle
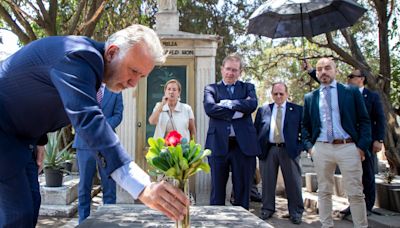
<point x="302" y="30"/>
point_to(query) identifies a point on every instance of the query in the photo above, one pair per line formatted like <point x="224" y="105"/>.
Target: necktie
<point x="278" y="126"/>
<point x="328" y="113"/>
<point x="230" y="90"/>
<point x="99" y="95"/>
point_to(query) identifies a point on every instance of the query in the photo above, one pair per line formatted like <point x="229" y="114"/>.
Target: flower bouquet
<point x="178" y="159"/>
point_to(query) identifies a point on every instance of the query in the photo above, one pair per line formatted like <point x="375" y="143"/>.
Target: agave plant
<point x="55" y="156"/>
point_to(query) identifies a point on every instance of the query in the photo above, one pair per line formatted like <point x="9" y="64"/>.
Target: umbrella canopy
<point x="299" y="18"/>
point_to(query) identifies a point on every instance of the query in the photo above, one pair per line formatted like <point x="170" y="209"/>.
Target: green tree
<point x="352" y="48"/>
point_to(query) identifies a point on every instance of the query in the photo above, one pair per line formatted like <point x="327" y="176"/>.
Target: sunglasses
<point x="350" y="76"/>
<point x="280" y="94"/>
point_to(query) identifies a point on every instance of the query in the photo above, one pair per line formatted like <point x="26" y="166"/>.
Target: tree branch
<point x="23" y="37"/>
<point x="22" y="20"/>
<point x="90" y="25"/>
<point x="76" y="17"/>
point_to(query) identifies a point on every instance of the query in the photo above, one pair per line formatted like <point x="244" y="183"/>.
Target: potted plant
<point x="67" y="158"/>
<point x="54" y="159"/>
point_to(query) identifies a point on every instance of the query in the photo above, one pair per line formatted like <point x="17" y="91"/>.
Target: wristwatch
<point x="381" y="141"/>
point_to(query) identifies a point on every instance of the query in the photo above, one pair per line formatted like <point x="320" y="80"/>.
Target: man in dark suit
<point x="337" y="131"/>
<point x="51" y="83"/>
<point x="377" y="116"/>
<point x="278" y="128"/>
<point x="112" y="106"/>
<point x="231" y="134"/>
<point x="375" y="111"/>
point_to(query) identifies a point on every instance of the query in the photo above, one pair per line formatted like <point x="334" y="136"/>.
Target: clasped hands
<point x="164" y="197"/>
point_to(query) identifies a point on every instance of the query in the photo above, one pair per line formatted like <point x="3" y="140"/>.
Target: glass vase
<point x="184" y="186"/>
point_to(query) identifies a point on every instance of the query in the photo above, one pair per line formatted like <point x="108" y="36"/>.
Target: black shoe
<point x="369" y="213"/>
<point x="295" y="220"/>
<point x="266" y="215"/>
<point x="256" y="198"/>
<point x="346" y="212"/>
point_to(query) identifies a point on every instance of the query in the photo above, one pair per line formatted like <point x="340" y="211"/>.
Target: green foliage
<point x="56" y="156"/>
<point x="178" y="162"/>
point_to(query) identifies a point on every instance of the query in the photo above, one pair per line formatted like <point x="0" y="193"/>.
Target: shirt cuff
<point x="237" y="115"/>
<point x="131" y="178"/>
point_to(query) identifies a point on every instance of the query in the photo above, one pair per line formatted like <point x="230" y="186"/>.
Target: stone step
<point x="386" y="219"/>
<point x="61" y="201"/>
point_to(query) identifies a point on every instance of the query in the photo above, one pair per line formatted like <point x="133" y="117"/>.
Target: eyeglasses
<point x="280" y="94"/>
<point x="350" y="76"/>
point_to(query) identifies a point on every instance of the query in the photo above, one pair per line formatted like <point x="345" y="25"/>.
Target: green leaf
<point x="183" y="163"/>
<point x="205" y="167"/>
<point x="205" y="153"/>
<point x="171" y="172"/>
<point x="159" y="163"/>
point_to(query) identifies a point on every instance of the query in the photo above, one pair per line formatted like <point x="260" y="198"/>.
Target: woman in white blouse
<point x="170" y="114"/>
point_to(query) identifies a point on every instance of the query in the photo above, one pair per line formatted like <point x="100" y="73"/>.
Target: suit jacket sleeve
<point x="377" y="119"/>
<point x="306" y="132"/>
<point x="313" y="75"/>
<point x="211" y="107"/>
<point x="364" y="129"/>
<point x="116" y="117"/>
<point x="249" y="104"/>
<point x="75" y="78"/>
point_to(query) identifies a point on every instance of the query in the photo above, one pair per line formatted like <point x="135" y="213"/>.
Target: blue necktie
<point x="230" y="90"/>
<point x="328" y="112"/>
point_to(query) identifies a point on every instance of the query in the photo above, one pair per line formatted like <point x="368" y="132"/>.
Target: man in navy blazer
<point x="51" y="83"/>
<point x="337" y="131"/>
<point x="231" y="134"/>
<point x="375" y="111"/>
<point x="278" y="128"/>
<point x="112" y="107"/>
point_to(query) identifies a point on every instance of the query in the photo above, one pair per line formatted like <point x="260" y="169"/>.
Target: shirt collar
<point x="332" y="85"/>
<point x="361" y="89"/>
<point x="178" y="107"/>
<point x="225" y="84"/>
<point x="282" y="105"/>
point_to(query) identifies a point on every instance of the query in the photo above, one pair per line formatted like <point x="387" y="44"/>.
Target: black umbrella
<point x="299" y="18"/>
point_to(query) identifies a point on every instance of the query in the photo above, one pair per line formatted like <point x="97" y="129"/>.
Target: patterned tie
<point x="328" y="112"/>
<point x="99" y="95"/>
<point x="278" y="126"/>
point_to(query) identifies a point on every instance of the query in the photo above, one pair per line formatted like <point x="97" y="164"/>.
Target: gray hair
<point x="234" y="57"/>
<point x="129" y="36"/>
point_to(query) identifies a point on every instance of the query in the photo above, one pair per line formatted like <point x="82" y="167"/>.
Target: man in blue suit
<point x="278" y="128"/>
<point x="337" y="131"/>
<point x="231" y="134"/>
<point x="51" y="83"/>
<point x="375" y="111"/>
<point x="112" y="106"/>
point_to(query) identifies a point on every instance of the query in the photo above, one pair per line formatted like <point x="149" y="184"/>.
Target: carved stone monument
<point x="167" y="17"/>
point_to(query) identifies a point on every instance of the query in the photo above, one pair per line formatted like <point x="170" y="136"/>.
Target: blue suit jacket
<point x="291" y="129"/>
<point x="245" y="101"/>
<point x="353" y="115"/>
<point x="374" y="108"/>
<point x="112" y="107"/>
<point x="47" y="85"/>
